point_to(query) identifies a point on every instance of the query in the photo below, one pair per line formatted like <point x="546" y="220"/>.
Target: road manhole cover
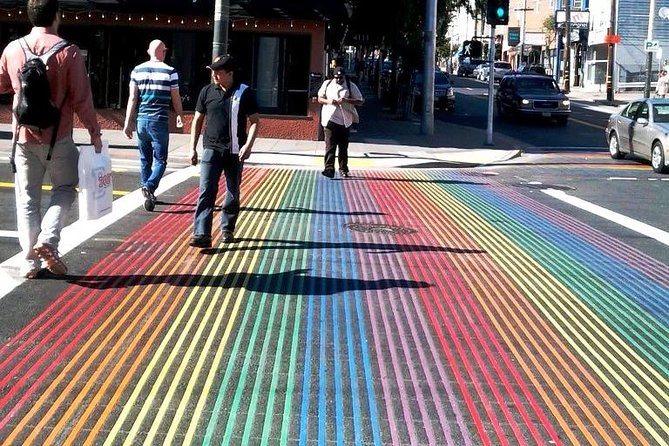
<point x="378" y="228"/>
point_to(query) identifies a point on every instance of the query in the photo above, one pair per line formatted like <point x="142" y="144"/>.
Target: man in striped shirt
<point x="153" y="84"/>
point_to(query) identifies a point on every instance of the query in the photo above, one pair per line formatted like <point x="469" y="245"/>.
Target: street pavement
<point x="417" y="302"/>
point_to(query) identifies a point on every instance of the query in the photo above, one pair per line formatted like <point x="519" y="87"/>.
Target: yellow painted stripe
<point x="47" y="188"/>
<point x="506" y="294"/>
<point x="151" y="401"/>
<point x="93" y="358"/>
<point x="550" y="294"/>
<point x="274" y="190"/>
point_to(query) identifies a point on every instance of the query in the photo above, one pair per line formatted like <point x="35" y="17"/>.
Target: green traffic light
<point x="500" y="12"/>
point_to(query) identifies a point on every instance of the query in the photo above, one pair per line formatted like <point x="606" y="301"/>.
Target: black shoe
<point x="343" y="173"/>
<point x="200" y="241"/>
<point x="227" y="237"/>
<point x="149" y="199"/>
<point x="328" y="173"/>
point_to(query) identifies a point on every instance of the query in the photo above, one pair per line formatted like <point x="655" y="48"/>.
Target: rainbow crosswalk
<point x="459" y="312"/>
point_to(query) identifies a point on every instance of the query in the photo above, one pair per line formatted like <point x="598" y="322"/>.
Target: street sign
<point x="651" y="46"/>
<point x="513" y="37"/>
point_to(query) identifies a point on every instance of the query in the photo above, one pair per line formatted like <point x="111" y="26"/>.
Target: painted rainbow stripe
<point x="497" y="321"/>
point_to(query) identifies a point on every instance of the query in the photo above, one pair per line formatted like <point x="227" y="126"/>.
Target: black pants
<point x="336" y="135"/>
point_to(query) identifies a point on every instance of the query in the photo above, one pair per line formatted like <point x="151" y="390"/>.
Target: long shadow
<point x="296" y="282"/>
<point x="368" y="248"/>
<point x="411" y="180"/>
<point x="298" y="210"/>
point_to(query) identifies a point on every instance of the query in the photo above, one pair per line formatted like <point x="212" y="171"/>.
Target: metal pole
<point x="558" y="47"/>
<point x="427" y="116"/>
<point x="221" y="21"/>
<point x="610" y="56"/>
<point x="649" y="57"/>
<point x="522" y="42"/>
<point x="491" y="84"/>
<point x="567" y="47"/>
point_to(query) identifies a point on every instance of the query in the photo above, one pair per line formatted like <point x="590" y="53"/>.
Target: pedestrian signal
<point x="498" y="12"/>
<point x="472" y="49"/>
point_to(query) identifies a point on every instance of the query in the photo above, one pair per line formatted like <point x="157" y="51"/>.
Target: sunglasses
<point x="339" y="77"/>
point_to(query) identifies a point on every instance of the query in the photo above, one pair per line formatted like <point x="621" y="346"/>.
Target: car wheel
<point x="657" y="158"/>
<point x="614" y="147"/>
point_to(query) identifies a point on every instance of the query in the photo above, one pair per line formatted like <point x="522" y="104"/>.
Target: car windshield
<point x="505" y="65"/>
<point x="537" y="85"/>
<point x="439" y="78"/>
<point x="661" y="112"/>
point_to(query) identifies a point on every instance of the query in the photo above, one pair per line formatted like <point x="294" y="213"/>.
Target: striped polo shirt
<point x="154" y="80"/>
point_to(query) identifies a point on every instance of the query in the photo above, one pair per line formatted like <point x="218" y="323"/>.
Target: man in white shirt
<point x="339" y="98"/>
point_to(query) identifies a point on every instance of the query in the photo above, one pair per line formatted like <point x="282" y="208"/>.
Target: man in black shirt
<point x="228" y="105"/>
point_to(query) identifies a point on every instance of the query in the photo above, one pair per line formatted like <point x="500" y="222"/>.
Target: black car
<point x="468" y="66"/>
<point x="532" y="95"/>
<point x="444" y="96"/>
<point x="532" y="69"/>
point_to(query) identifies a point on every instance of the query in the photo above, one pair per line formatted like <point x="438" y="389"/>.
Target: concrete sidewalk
<point x="384" y="141"/>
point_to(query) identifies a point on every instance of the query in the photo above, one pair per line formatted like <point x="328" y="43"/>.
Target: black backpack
<point x="34" y="108"/>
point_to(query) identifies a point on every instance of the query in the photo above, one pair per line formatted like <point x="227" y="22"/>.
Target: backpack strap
<point x="54" y="49"/>
<point x="29" y="55"/>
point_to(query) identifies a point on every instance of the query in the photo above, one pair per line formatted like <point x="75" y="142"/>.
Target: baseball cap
<point x="226" y="63"/>
<point x="339" y="71"/>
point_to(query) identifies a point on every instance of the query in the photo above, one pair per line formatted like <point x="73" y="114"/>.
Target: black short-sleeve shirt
<point x="215" y="103"/>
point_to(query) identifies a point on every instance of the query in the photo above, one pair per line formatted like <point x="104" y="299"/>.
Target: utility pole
<point x="221" y="22"/>
<point x="522" y="41"/>
<point x="567" y="46"/>
<point x="427" y="115"/>
<point x="649" y="57"/>
<point x="610" y="55"/>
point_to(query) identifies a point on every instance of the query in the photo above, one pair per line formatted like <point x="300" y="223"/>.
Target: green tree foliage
<point x="398" y="26"/>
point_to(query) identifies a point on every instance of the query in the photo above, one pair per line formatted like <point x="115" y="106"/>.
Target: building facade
<point x="282" y="52"/>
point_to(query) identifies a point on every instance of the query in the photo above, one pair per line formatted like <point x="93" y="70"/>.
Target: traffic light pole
<point x="427" y="114"/>
<point x="491" y="84"/>
<point x="610" y="56"/>
<point x="567" y="47"/>
<point x="221" y="19"/>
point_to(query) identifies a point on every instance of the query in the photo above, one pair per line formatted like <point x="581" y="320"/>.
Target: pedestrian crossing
<point x="477" y="316"/>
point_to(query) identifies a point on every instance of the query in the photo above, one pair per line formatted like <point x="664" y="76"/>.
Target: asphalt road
<point x="523" y="302"/>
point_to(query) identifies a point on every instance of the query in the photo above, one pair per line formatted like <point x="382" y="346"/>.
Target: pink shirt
<point x="70" y="86"/>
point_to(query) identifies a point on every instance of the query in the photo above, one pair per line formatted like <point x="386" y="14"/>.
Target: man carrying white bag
<point x="95" y="182"/>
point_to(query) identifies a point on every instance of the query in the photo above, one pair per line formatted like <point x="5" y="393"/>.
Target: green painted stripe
<point x="551" y="296"/>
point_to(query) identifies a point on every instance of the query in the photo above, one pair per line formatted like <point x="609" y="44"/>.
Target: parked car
<point x="444" y="95"/>
<point x="531" y="69"/>
<point x="481" y="71"/>
<point x="532" y="95"/>
<point x="641" y="129"/>
<point x="466" y="67"/>
<point x="501" y="69"/>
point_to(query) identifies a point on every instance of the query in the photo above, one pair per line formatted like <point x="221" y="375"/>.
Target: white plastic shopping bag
<point x="95" y="182"/>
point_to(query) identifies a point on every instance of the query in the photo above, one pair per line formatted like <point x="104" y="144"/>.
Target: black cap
<point x="226" y="63"/>
<point x="339" y="71"/>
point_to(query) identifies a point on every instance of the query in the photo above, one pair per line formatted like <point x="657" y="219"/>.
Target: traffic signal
<point x="498" y="12"/>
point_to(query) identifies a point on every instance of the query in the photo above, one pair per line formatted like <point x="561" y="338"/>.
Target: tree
<point x="549" y="35"/>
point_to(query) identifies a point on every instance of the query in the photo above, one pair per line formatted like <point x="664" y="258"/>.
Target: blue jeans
<point x="153" y="138"/>
<point x="212" y="165"/>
